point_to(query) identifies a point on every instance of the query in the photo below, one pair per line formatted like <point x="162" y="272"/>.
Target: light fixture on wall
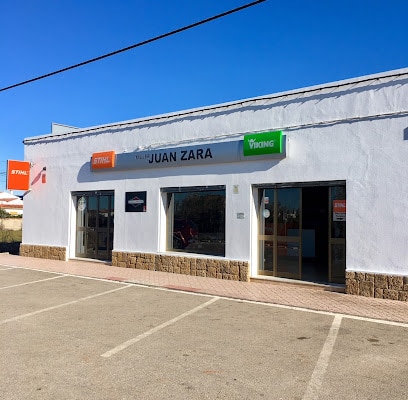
<point x="43" y="175"/>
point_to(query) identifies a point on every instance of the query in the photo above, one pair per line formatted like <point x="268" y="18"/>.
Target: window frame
<point x="170" y="217"/>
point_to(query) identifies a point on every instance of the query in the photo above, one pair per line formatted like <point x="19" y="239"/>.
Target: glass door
<point x="289" y="253"/>
<point x="280" y="237"/>
<point x="337" y="242"/>
<point x="267" y="234"/>
<point x="302" y="232"/>
<point x="95" y="225"/>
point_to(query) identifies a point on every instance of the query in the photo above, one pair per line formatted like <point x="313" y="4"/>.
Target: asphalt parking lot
<point x="68" y="337"/>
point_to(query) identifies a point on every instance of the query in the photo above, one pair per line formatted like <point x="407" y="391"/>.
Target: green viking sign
<point x="263" y="143"/>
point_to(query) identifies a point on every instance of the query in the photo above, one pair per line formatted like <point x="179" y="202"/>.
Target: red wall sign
<point x="339" y="210"/>
<point x="18" y="175"/>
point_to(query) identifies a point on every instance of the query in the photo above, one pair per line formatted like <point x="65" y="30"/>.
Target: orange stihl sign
<point x="18" y="175"/>
<point x="104" y="159"/>
<point x="339" y="206"/>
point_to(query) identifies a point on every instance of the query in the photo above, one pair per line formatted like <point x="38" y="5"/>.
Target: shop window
<point x="196" y="220"/>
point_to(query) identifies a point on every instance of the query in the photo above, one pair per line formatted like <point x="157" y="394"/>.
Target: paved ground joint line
<point x="157" y="328"/>
<point x="32" y="282"/>
<point x="355" y="307"/>
<point x="315" y="383"/>
<point x="6" y="269"/>
<point x="18" y="317"/>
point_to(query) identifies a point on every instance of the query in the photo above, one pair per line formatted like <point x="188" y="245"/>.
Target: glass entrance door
<point x="280" y="240"/>
<point x="337" y="242"/>
<point x="94" y="225"/>
<point x="267" y="234"/>
<point x="288" y="246"/>
<point x="302" y="232"/>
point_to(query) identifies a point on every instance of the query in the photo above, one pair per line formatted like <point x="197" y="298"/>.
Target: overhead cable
<point x="204" y="21"/>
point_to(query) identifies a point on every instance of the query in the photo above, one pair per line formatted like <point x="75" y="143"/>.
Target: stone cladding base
<point x="381" y="286"/>
<point x="208" y="267"/>
<point x="49" y="252"/>
<point x="393" y="287"/>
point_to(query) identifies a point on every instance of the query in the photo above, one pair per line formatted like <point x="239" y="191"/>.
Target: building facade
<point x="306" y="185"/>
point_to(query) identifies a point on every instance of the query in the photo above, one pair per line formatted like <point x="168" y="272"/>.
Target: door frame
<point x="261" y="237"/>
<point x="83" y="231"/>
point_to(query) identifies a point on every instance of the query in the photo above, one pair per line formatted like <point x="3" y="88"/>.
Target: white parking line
<point x="10" y="266"/>
<point x="31" y="282"/>
<point x="309" y="310"/>
<point x="6" y="269"/>
<point x="18" y="317"/>
<point x="315" y="383"/>
<point x="294" y="308"/>
<point x="130" y="342"/>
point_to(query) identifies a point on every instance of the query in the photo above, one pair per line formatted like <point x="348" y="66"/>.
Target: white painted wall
<point x="353" y="132"/>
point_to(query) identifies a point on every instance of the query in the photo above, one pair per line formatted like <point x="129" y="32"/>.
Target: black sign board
<point x="135" y="202"/>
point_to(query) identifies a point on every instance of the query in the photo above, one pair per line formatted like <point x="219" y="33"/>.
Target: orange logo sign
<point x="18" y="175"/>
<point x="104" y="159"/>
<point x="339" y="206"/>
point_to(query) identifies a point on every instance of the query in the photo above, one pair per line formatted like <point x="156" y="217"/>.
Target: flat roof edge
<point x="181" y="113"/>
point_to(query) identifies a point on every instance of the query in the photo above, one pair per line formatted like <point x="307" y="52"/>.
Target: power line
<point x="204" y="21"/>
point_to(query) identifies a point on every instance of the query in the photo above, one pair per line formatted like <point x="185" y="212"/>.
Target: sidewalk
<point x="313" y="297"/>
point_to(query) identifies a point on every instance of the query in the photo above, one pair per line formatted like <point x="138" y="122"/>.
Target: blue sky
<point x="271" y="47"/>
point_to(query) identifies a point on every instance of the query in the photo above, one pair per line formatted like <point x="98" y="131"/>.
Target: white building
<point x="178" y="193"/>
<point x="11" y="204"/>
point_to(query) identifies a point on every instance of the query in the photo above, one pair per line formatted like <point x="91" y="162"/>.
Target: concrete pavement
<point x="318" y="298"/>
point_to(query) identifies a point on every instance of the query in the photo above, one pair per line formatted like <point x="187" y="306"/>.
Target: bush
<point x="4" y="214"/>
<point x="5" y="236"/>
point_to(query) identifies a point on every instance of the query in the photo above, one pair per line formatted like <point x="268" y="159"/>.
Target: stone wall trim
<point x="206" y="267"/>
<point x="381" y="286"/>
<point x="47" y="252"/>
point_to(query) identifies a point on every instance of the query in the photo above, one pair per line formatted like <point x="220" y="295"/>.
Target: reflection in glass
<point x="288" y="212"/>
<point x="110" y="243"/>
<point x="102" y="241"/>
<point x="197" y="222"/>
<point x="91" y="243"/>
<point x="288" y="259"/>
<point x="267" y="253"/>
<point x="103" y="214"/>
<point x="80" y="242"/>
<point x="268" y="204"/>
<point x="81" y="209"/>
<point x="338" y="229"/>
<point x="338" y="262"/>
<point x="111" y="221"/>
<point x="92" y="211"/>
